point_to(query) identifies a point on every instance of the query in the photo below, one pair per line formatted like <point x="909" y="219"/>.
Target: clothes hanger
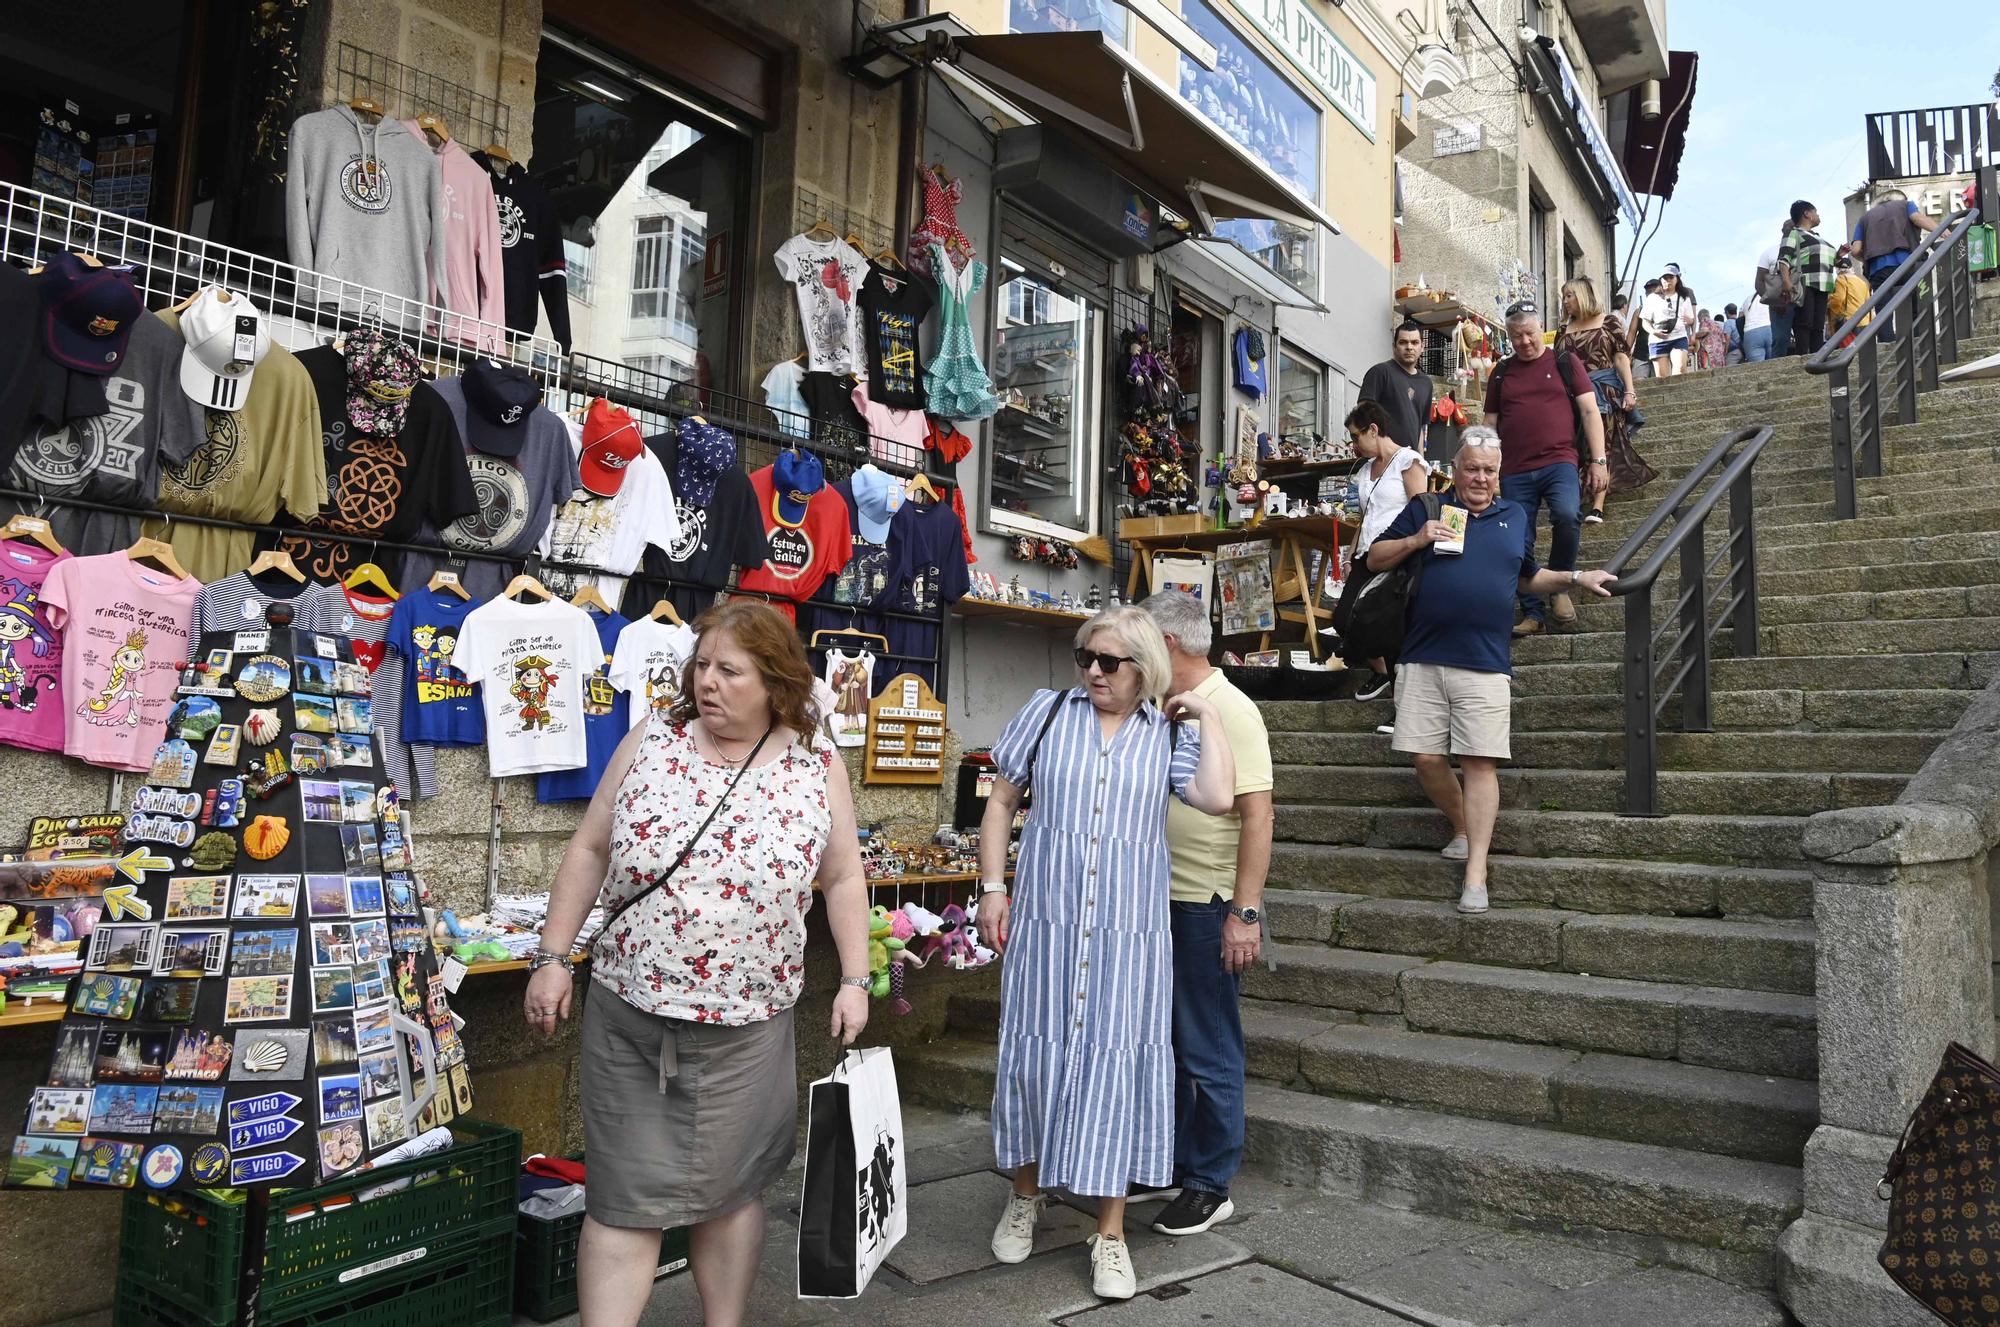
<point x="665" y="609"/>
<point x="855" y="240"/>
<point x="32" y="528"/>
<point x="588" y="597"/>
<point x="526" y="584"/>
<point x="446" y="580"/>
<point x="276" y="559"/>
<point x="159" y="553"/>
<point x="849" y="633"/>
<point x="368" y="575"/>
<point x="435" y="129"/>
<point x="366" y="106"/>
<point x="921" y="483"/>
<point x="498" y="153"/>
<point x="818" y="227"/>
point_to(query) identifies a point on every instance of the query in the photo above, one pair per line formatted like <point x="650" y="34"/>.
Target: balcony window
<point x="1106" y="16"/>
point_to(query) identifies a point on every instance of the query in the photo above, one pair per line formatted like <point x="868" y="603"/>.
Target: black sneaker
<point x="1375" y="685"/>
<point x="1193" y="1212"/>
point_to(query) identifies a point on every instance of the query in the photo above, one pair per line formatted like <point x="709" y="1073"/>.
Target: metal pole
<point x="1906" y="366"/>
<point x="1871" y="421"/>
<point x="1950" y="273"/>
<point x="1843" y="436"/>
<point x="1925" y="323"/>
<point x="1743" y="564"/>
<point x="1642" y="757"/>
<point x="1694" y="625"/>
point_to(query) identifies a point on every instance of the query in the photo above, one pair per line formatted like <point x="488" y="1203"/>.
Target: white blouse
<point x="1382" y="500"/>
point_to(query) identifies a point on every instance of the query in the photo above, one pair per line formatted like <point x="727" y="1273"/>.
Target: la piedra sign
<point x="1310" y="44"/>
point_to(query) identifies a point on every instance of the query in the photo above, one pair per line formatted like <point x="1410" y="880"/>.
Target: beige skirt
<point x="682" y="1122"/>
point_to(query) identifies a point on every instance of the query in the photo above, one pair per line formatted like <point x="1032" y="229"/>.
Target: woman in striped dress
<point x="1083" y="1097"/>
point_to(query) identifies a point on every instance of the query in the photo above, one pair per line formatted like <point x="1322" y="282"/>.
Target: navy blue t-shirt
<point x="605" y="721"/>
<point x="439" y="705"/>
<point x="927" y="550"/>
<point x="1464" y="613"/>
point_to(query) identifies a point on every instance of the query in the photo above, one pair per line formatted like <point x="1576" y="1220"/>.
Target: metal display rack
<point x="407" y="92"/>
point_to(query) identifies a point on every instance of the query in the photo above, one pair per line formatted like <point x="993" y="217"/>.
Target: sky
<point x="1758" y="139"/>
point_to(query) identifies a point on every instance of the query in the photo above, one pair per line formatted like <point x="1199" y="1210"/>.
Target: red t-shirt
<point x="1537" y="409"/>
<point x="801" y="557"/>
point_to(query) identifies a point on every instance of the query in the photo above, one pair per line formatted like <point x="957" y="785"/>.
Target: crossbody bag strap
<point x="688" y="847"/>
<point x="1035" y="751"/>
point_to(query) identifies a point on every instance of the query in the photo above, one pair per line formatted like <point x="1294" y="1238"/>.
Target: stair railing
<point x="1696" y="615"/>
<point x="1910" y="298"/>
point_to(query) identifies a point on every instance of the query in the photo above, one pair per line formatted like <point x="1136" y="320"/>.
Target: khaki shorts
<point x="1452" y="711"/>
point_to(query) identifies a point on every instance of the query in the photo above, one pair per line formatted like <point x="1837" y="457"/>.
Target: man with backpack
<point x="1537" y="399"/>
<point x="1452" y="690"/>
<point x="1775" y="292"/>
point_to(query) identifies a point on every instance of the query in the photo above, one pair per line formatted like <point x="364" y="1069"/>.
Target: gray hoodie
<point x="364" y="202"/>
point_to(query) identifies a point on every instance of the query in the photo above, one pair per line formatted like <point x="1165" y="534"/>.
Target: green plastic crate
<point x="545" y="1263"/>
<point x="185" y="1247"/>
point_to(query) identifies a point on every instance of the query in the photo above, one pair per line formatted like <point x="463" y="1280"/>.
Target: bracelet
<point x="992" y="887"/>
<point x="859" y="983"/>
<point x="543" y="958"/>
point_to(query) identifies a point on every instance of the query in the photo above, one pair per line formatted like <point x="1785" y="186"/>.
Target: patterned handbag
<point x="1943" y="1190"/>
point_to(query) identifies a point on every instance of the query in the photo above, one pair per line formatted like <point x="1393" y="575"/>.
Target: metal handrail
<point x="1695" y="606"/>
<point x="1924" y="341"/>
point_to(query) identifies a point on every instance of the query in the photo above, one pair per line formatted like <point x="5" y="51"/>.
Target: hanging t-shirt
<point x="114" y="457"/>
<point x="844" y="601"/>
<point x="928" y="545"/>
<point x="836" y="423"/>
<point x="531" y="661"/>
<point x="611" y="532"/>
<point x="781" y="394"/>
<point x="515" y="495"/>
<point x="237" y="601"/>
<point x="605" y="707"/>
<point x="31" y="650"/>
<point x="826" y="275"/>
<point x="646" y="664"/>
<point x="249" y="463"/>
<point x="894" y="305"/>
<point x="364" y="620"/>
<point x="895" y="436"/>
<point x="125" y="638"/>
<point x="716" y="537"/>
<point x="383" y="487"/>
<point x="440" y="703"/>
<point x="849" y="676"/>
<point x="1253" y="373"/>
<point x="802" y="556"/>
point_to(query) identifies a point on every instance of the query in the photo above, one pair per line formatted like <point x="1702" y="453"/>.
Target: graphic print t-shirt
<point x="928" y="544"/>
<point x="715" y="538"/>
<point x="646" y="665"/>
<point x="829" y="399"/>
<point x="604" y="720"/>
<point x="31" y="649"/>
<point x="388" y="488"/>
<point x="826" y="275"/>
<point x="440" y="704"/>
<point x="531" y="662"/>
<point x="802" y="557"/>
<point x="611" y="532"/>
<point x="893" y="308"/>
<point x="113" y="457"/>
<point x="125" y="637"/>
<point x="869" y="576"/>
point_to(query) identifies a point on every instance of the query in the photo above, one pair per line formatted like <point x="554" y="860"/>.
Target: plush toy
<point x="883" y="943"/>
<point x="901" y="930"/>
<point x="953" y="940"/>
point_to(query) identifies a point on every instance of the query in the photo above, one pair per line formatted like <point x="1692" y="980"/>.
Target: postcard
<point x="262" y="999"/>
<point x="339" y="1097"/>
<point x="198" y="898"/>
<point x="340" y="1149"/>
<point x="271" y="952"/>
<point x="58" y="1110"/>
<point x="266" y="897"/>
<point x="333" y="1040"/>
<point x="322" y="800"/>
<point x="122" y="1109"/>
<point x="195" y="1110"/>
<point x="332" y="988"/>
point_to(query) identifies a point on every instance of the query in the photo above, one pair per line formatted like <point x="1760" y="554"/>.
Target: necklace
<point x="716" y="741"/>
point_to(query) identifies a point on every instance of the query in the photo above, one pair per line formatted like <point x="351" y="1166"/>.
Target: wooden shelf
<point x="1026" y="615"/>
<point x="19" y="1014"/>
<point x="1291" y="465"/>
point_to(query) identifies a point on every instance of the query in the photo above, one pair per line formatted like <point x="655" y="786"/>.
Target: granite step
<point x="1586" y="643"/>
<point x="1775" y="794"/>
<point x="1776" y="751"/>
<point x="1740" y="839"/>
<point x="1806" y="674"/>
<point x="1905" y="710"/>
<point x="1777" y="610"/>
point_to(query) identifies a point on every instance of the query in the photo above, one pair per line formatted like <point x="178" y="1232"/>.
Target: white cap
<point x="226" y="337"/>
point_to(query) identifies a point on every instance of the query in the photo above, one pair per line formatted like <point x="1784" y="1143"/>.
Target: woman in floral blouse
<point x="705" y="836"/>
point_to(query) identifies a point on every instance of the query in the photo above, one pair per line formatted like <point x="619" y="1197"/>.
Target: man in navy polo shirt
<point x="1452" y="693"/>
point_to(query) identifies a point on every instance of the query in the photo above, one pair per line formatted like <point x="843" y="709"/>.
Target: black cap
<point x="87" y="313"/>
<point x="499" y="398"/>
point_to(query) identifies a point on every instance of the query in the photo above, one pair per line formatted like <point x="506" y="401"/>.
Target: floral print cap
<point x="381" y="374"/>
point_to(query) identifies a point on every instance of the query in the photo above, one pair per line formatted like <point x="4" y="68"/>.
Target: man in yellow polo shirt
<point x="1219" y="865"/>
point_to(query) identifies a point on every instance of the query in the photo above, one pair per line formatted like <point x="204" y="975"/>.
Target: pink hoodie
<point x="474" y="285"/>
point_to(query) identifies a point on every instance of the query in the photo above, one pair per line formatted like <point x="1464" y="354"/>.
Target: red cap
<point x="611" y="442"/>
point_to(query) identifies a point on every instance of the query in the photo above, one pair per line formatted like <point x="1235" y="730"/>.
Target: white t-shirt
<point x="646" y="665"/>
<point x="1382" y="500"/>
<point x="1666" y="318"/>
<point x="1757" y="312"/>
<point x="531" y="661"/>
<point x="826" y="275"/>
<point x="848" y="675"/>
<point x="612" y="532"/>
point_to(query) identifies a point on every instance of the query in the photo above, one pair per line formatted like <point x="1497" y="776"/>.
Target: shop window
<point x="1302" y="396"/>
<point x="1047" y="353"/>
<point x="1246" y="98"/>
<point x="1106" y="16"/>
<point x="581" y="260"/>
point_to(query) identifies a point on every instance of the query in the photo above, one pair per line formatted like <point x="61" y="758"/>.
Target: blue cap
<point x="795" y="477"/>
<point x="876" y="497"/>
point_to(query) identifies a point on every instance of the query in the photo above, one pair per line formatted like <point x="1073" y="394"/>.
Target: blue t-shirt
<point x="605" y="721"/>
<point x="927" y="553"/>
<point x="1253" y="376"/>
<point x="439" y="705"/>
<point x="1883" y="261"/>
<point x="1463" y="616"/>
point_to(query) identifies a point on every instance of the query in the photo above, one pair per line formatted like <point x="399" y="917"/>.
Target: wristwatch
<point x="1248" y="916"/>
<point x="860" y="983"/>
<point x="1599" y="460"/>
<point x="543" y="958"/>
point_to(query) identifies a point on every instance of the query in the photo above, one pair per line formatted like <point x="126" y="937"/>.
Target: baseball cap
<point x="381" y="374"/>
<point x="499" y="400"/>
<point x="1671" y="269"/>
<point x="701" y="453"/>
<point x="87" y="313"/>
<point x="226" y="338"/>
<point x="876" y="497"/>
<point x="611" y="442"/>
<point x="795" y="477"/>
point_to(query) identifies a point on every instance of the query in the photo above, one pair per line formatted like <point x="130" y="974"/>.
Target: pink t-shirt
<point x="911" y="428"/>
<point x="30" y="650"/>
<point x="125" y="637"/>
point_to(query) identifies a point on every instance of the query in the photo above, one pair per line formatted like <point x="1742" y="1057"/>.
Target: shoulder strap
<point x="1035" y="751"/>
<point x="688" y="847"/>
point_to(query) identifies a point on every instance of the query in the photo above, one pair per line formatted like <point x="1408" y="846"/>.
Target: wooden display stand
<point x="1294" y="537"/>
<point x="905" y="734"/>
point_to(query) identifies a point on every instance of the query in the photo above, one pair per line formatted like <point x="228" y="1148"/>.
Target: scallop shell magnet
<point x="266" y="837"/>
<point x="266" y="1057"/>
<point x="262" y="727"/>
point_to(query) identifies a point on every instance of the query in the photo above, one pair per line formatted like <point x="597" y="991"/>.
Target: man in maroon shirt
<point x="1535" y="400"/>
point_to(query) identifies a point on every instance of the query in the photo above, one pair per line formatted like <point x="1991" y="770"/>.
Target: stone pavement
<point x="1290" y="1256"/>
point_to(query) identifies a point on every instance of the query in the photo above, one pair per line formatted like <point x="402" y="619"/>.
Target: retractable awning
<point x="1135" y="122"/>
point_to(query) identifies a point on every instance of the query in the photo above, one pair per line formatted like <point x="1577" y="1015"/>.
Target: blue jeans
<point x="1781" y="331"/>
<point x="1557" y="486"/>
<point x="1208" y="1052"/>
<point x="1757" y="345"/>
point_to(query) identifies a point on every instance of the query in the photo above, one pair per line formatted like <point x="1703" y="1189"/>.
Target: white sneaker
<point x="1014" y="1237"/>
<point x="1457" y="850"/>
<point x="1111" y="1268"/>
<point x="1472" y="899"/>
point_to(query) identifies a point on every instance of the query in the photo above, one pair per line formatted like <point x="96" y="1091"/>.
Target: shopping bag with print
<point x="855" y="1206"/>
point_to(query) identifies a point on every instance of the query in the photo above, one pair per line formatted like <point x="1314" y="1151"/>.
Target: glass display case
<point x="1046" y="352"/>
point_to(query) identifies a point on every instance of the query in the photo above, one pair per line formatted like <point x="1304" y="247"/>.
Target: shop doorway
<point x="1198" y="363"/>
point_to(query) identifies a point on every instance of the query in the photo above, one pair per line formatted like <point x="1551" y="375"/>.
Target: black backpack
<point x="1381" y="609"/>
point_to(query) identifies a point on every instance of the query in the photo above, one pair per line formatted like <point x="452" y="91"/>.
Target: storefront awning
<point x="1653" y="147"/>
<point x="1258" y="277"/>
<point x="1146" y="132"/>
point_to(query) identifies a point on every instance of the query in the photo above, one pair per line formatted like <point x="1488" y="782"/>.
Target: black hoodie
<point x="531" y="251"/>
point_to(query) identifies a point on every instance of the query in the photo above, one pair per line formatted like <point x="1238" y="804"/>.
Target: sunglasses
<point x="1106" y="663"/>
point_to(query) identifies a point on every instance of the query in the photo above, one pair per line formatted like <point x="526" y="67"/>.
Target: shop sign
<point x="1309" y="43"/>
<point x="1451" y="140"/>
<point x="1593" y="135"/>
<point x="715" y="266"/>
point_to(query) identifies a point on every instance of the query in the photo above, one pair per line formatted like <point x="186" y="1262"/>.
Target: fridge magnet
<point x="168" y="999"/>
<point x="385" y="1122"/>
<point x="162" y="1166"/>
<point x="261" y="727"/>
<point x="200" y="1055"/>
<point x="266" y="837"/>
<point x="123" y="1108"/>
<point x="173" y="764"/>
<point x="266" y="774"/>
<point x="359" y="848"/>
<point x="165" y="802"/>
<point x="197" y="898"/>
<point x="333" y="943"/>
<point x="265" y="999"/>
<point x="326" y="895"/>
<point x="339" y="1097"/>
<point x="192" y="952"/>
<point x="461" y="1088"/>
<point x="59" y="1111"/>
<point x="76" y="1053"/>
<point x="105" y="995"/>
<point x="320" y="799"/>
<point x="276" y="1056"/>
<point x="401" y="893"/>
<point x="351" y="679"/>
<point x="348" y="751"/>
<point x="194" y="718"/>
<point x="353" y="716"/>
<point x="128" y="1055"/>
<point x="263" y="678"/>
<point x="209" y="1165"/>
<point x="188" y="1110"/>
<point x="371" y="1027"/>
<point x="339" y="1149"/>
<point x="364" y="895"/>
<point x="108" y="1162"/>
<point x="213" y="851"/>
<point x="333" y="1040"/>
<point x="310" y="754"/>
<point x="268" y="953"/>
<point x="41" y="1163"/>
<point x="312" y="675"/>
<point x="313" y="714"/>
<point x="371" y="941"/>
<point x="332" y="988"/>
<point x="225" y="747"/>
<point x="266" y="897"/>
<point x="381" y="1076"/>
<point x="357" y="801"/>
<point x="159" y="829"/>
<point x="122" y="948"/>
<point x="222" y="805"/>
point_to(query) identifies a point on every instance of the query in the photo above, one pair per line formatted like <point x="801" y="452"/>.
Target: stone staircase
<point x="1625" y="1046"/>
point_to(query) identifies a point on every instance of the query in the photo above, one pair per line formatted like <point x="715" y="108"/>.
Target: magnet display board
<point x="905" y="734"/>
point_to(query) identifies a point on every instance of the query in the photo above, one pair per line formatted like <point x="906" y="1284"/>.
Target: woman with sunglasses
<point x="1083" y="1096"/>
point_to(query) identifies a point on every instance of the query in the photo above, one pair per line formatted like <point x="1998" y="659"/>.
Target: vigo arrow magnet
<point x="258" y="1169"/>
<point x="261" y="1107"/>
<point x="123" y="901"/>
<point x="259" y="1132"/>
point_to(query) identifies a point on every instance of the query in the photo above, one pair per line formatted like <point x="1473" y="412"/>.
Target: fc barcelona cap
<point x="795" y="477"/>
<point x="611" y="442"/>
<point x="87" y="313"/>
<point x="226" y="339"/>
